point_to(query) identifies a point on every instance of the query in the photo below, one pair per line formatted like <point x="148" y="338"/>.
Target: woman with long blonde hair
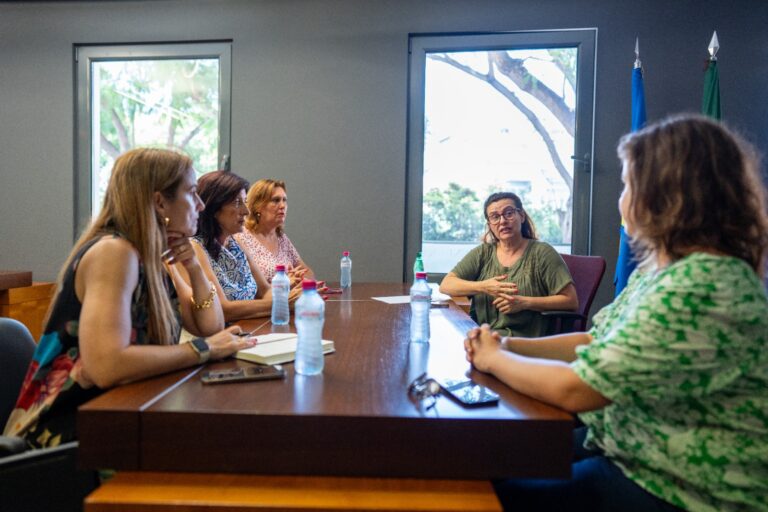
<point x="121" y="299"/>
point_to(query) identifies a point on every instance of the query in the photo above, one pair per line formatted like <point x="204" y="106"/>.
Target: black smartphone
<point x="243" y="374"/>
<point x="468" y="393"/>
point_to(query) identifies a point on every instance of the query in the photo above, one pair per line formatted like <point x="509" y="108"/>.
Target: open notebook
<point x="276" y="348"/>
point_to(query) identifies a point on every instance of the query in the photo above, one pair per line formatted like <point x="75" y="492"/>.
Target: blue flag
<point x="626" y="263"/>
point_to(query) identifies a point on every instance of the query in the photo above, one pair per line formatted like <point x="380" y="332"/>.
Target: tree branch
<point x="191" y="135"/>
<point x="107" y="146"/>
<point x="528" y="113"/>
<point x="171" y="134"/>
<point x="515" y="70"/>
<point x="122" y="134"/>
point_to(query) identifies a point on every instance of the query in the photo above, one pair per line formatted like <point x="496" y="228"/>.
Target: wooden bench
<point x="189" y="492"/>
<point x="28" y="305"/>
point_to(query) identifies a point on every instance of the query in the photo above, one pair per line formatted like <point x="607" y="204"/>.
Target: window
<point x="498" y="112"/>
<point x="174" y="95"/>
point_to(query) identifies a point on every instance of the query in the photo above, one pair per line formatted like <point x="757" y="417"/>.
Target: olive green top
<point x="540" y="272"/>
<point x="682" y="353"/>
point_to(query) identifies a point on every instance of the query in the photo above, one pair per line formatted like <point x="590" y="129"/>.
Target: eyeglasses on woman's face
<point x="238" y="204"/>
<point x="508" y="214"/>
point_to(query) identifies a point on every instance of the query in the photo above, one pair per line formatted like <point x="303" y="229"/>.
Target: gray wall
<point x="319" y="99"/>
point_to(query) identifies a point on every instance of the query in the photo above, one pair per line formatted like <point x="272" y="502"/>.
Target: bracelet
<point x="208" y="302"/>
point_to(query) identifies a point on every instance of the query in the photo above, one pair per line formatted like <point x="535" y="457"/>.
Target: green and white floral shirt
<point x="682" y="353"/>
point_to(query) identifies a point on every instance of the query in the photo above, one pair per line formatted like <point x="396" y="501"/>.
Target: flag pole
<point x="638" y="64"/>
<point x="714" y="45"/>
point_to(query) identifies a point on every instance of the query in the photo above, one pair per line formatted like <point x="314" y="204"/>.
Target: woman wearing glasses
<point x="240" y="285"/>
<point x="512" y="276"/>
<point x="671" y="380"/>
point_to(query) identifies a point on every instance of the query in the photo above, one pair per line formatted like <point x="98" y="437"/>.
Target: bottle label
<point x="310" y="315"/>
<point x="421" y="297"/>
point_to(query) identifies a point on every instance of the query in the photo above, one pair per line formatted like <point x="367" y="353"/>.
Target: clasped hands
<point x="481" y="346"/>
<point x="506" y="299"/>
<point x="296" y="274"/>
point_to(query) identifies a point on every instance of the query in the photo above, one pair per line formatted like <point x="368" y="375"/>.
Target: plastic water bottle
<point x="281" y="288"/>
<point x="421" y="301"/>
<point x="346" y="270"/>
<point x="310" y="315"/>
<point x="418" y="265"/>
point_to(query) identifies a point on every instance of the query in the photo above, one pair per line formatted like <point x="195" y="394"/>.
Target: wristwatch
<point x="201" y="348"/>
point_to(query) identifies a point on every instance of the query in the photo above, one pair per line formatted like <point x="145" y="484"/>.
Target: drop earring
<point x="167" y="221"/>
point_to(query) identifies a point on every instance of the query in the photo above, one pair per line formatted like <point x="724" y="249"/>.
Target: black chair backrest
<point x="16" y="349"/>
<point x="587" y="272"/>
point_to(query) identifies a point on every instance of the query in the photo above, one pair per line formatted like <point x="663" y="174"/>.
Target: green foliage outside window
<point x="158" y="103"/>
<point x="455" y="214"/>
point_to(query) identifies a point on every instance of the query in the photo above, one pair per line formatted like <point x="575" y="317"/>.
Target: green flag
<point x="710" y="103"/>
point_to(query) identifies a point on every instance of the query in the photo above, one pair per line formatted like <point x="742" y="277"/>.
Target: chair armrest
<point x="464" y="302"/>
<point x="560" y="322"/>
<point x="11" y="445"/>
<point x="563" y="314"/>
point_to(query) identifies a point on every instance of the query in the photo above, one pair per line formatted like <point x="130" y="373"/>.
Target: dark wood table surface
<point x="356" y="419"/>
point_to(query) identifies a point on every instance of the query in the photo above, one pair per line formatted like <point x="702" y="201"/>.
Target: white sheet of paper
<point x="399" y="299"/>
<point x="436" y="295"/>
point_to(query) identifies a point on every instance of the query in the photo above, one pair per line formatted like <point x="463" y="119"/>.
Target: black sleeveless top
<point x="53" y="388"/>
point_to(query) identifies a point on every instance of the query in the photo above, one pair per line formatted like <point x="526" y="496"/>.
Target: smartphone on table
<point x="468" y="393"/>
<point x="243" y="374"/>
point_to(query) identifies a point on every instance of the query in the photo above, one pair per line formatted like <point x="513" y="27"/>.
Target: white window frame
<point x="585" y="40"/>
<point x="87" y="55"/>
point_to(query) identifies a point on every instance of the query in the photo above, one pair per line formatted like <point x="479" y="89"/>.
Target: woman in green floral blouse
<point x="671" y="381"/>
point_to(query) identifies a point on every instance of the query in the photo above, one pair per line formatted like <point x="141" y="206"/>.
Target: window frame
<point x="419" y="45"/>
<point x="87" y="54"/>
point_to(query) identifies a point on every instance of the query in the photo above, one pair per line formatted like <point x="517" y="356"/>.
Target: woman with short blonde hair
<point x="264" y="239"/>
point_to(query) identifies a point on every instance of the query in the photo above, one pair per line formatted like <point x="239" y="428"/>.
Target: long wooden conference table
<point x="356" y="419"/>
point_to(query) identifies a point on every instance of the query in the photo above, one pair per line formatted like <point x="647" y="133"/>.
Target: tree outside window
<point x="501" y="120"/>
<point x="166" y="96"/>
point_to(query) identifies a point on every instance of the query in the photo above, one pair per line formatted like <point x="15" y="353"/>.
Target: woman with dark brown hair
<point x="671" y="380"/>
<point x="240" y="285"/>
<point x="513" y="276"/>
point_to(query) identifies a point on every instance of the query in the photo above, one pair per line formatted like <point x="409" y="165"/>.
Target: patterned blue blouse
<point x="232" y="271"/>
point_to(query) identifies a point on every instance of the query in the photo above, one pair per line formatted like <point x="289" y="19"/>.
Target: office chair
<point x="587" y="273"/>
<point x="33" y="480"/>
<point x="16" y="349"/>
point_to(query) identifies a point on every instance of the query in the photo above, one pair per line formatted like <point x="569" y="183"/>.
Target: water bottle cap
<point x="421" y="275"/>
<point x="279" y="268"/>
<point x="309" y="284"/>
<point x="345" y="253"/>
